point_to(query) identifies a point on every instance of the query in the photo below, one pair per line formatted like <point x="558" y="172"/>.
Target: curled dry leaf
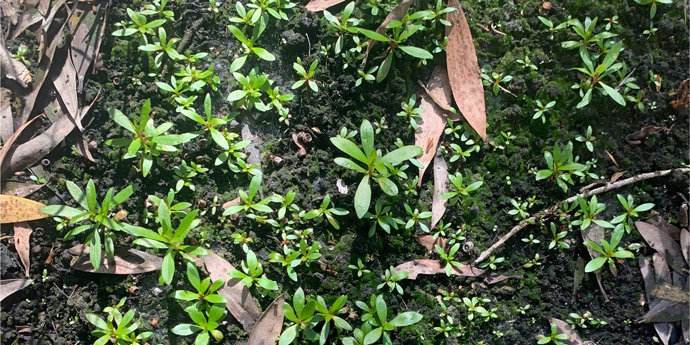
<point x="22" y="233"/>
<point x="21" y="189"/>
<point x="241" y="304"/>
<point x="10" y="286"/>
<point x="669" y="229"/>
<point x="269" y="325"/>
<point x="438" y="205"/>
<point x="644" y="133"/>
<point x="681" y="95"/>
<point x="463" y="70"/>
<point x="13" y="69"/>
<point x="564" y="328"/>
<point x="430" y="267"/>
<point x="428" y="242"/>
<point x="685" y="245"/>
<point x="234" y="202"/>
<point x="617" y="175"/>
<point x="611" y="157"/>
<point x="320" y="5"/>
<point x="663" y="244"/>
<point x="82" y="148"/>
<point x="125" y="261"/>
<point x="667" y="311"/>
<point x="301" y="139"/>
<point x="14" y="209"/>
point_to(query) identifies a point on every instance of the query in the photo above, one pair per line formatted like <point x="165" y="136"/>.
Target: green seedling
<point x="526" y="63"/>
<point x="206" y="325"/>
<point x="530" y="239"/>
<point x="249" y="44"/>
<point x="252" y="274"/>
<point x="325" y="212"/>
<point x="157" y="8"/>
<point x="205" y="295"/>
<point x="342" y="26"/>
<point x="492" y="262"/>
<point x="594" y="76"/>
<point x="367" y="76"/>
<point x="138" y="25"/>
<point x="147" y="142"/>
<point x="587" y="213"/>
<point x="460" y="189"/>
<point x="163" y="46"/>
<point x="383" y="218"/>
<point x="446" y="329"/>
<point x="301" y="313"/>
<point x="631" y="212"/>
<point x="307" y="77"/>
<point x="377" y="316"/>
<point x="167" y="239"/>
<point x="198" y="79"/>
<point x="287" y="203"/>
<point x="561" y="166"/>
<point x="557" y="238"/>
<point x="494" y="80"/>
<point x="247" y="198"/>
<point x="542" y="109"/>
<point x="588" y="139"/>
<point x="609" y="251"/>
<point x="248" y="18"/>
<point x="21" y="54"/>
<point x="289" y="260"/>
<point x="234" y="156"/>
<point x="117" y="328"/>
<point x="519" y="210"/>
<point x="358" y="336"/>
<point x="391" y="277"/>
<point x="653" y="5"/>
<point x="184" y="174"/>
<point x="587" y="36"/>
<point x="360" y="269"/>
<point x="549" y="24"/>
<point x="651" y="32"/>
<point x="554" y="337"/>
<point x="449" y="257"/>
<point x="474" y="307"/>
<point x="416" y="217"/>
<point x="98" y="218"/>
<point x="210" y="123"/>
<point x="252" y="86"/>
<point x="410" y="113"/>
<point x="377" y="166"/>
<point x="331" y="315"/>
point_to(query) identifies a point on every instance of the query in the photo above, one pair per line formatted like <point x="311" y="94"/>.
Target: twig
<point x="552" y="210"/>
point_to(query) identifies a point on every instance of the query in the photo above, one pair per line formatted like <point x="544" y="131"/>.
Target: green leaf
<point x="344" y="162"/>
<point x="288" y="335"/>
<point x="91" y="196"/>
<point x="416" y="52"/>
<point x="185" y="329"/>
<point x="239" y="35"/>
<point x="202" y="339"/>
<point x="402" y="154"/>
<point x="168" y="267"/>
<point x="389" y="187"/>
<point x="381" y="308"/>
<point x="406" y="319"/>
<point x="263" y="54"/>
<point x="373" y="35"/>
<point x="121" y="119"/>
<point x="95" y="254"/>
<point x="363" y="197"/>
<point x="350" y="148"/>
<point x="585" y="100"/>
<point x="595" y="264"/>
<point x="615" y="95"/>
<point x="77" y="194"/>
<point x="366" y="133"/>
<point x="61" y="211"/>
<point x="173" y="139"/>
<point x="96" y="321"/>
<point x="373" y="336"/>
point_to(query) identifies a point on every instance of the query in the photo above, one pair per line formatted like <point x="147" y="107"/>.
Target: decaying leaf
<point x="82" y="148"/>
<point x="438" y="205"/>
<point x="463" y="70"/>
<point x="86" y="39"/>
<point x="667" y="228"/>
<point x="685" y="245"/>
<point x="667" y="311"/>
<point x="428" y="242"/>
<point x="432" y="124"/>
<point x="342" y="187"/>
<point x="269" y="325"/>
<point x="663" y="244"/>
<point x="234" y="202"/>
<point x="125" y="261"/>
<point x="320" y="5"/>
<point x="648" y="278"/>
<point x="564" y="328"/>
<point x="13" y="69"/>
<point x="611" y="158"/>
<point x="10" y="286"/>
<point x="430" y="267"/>
<point x="21" y="189"/>
<point x="644" y="133"/>
<point x="397" y="13"/>
<point x="66" y="86"/>
<point x="301" y="139"/>
<point x="241" y="304"/>
<point x="6" y="123"/>
<point x="662" y="274"/>
<point x="22" y="232"/>
<point x="617" y="175"/>
<point x="671" y="293"/>
<point x="14" y="209"/>
<point x="7" y="145"/>
<point x="578" y="276"/>
<point x="28" y="18"/>
<point x="681" y="95"/>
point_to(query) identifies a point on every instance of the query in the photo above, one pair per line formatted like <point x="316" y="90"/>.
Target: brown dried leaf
<point x="593" y="233"/>
<point x="320" y="5"/>
<point x="28" y="18"/>
<point x="685" y="245"/>
<point x="661" y="272"/>
<point x="20" y="189"/>
<point x="22" y="232"/>
<point x="669" y="229"/>
<point x="667" y="311"/>
<point x="397" y="13"/>
<point x="428" y="242"/>
<point x="234" y="202"/>
<point x="611" y="157"/>
<point x="10" y="286"/>
<point x="126" y="261"/>
<point x="13" y="69"/>
<point x="438" y="205"/>
<point x="14" y="209"/>
<point x="430" y="267"/>
<point x="269" y="325"/>
<point x="82" y="148"/>
<point x="497" y="278"/>
<point x="648" y="278"/>
<point x="66" y="86"/>
<point x="617" y="175"/>
<point x="646" y="131"/>
<point x="9" y="9"/>
<point x="6" y="123"/>
<point x="564" y="328"/>
<point x="85" y="41"/>
<point x="7" y="145"/>
<point x="663" y="244"/>
<point x="241" y="304"/>
<point x="672" y="293"/>
<point x="682" y="95"/>
<point x="463" y="71"/>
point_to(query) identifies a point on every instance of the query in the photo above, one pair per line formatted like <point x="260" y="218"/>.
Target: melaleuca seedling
<point x="327" y="212"/>
<point x="205" y="324"/>
<point x="252" y="274"/>
<point x="205" y="295"/>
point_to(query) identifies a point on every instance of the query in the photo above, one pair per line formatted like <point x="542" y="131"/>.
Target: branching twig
<point x="552" y="210"/>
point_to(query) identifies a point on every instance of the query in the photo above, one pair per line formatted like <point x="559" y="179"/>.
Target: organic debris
<point x="269" y="325"/>
<point x="14" y="209"/>
<point x="301" y="139"/>
<point x="663" y="244"/>
<point x="644" y="133"/>
<point x="320" y="5"/>
<point x="438" y="205"/>
<point x="22" y="232"/>
<point x="20" y="189"/>
<point x="428" y="242"/>
<point x="431" y="267"/>
<point x="564" y="328"/>
<point x="125" y="261"/>
<point x="10" y="286"/>
<point x="682" y="95"/>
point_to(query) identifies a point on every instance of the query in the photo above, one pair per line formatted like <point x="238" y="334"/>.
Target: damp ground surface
<point x="503" y="31"/>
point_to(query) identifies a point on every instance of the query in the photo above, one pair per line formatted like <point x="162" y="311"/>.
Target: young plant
<point x="287" y="202"/>
<point x="377" y="317"/>
<point x="247" y="198"/>
<point x="301" y="313"/>
<point x="210" y="123"/>
<point x="98" y="218"/>
<point x="342" y="26"/>
<point x="653" y="5"/>
<point x="416" y="217"/>
<point x="410" y="113"/>
<point x="252" y="274"/>
<point x="630" y="212"/>
<point x="561" y="166"/>
<point x="557" y="238"/>
<point x="593" y="76"/>
<point x="289" y="260"/>
<point x="147" y="142"/>
<point x="361" y="270"/>
<point x="116" y="328"/>
<point x="449" y="257"/>
<point x="250" y="93"/>
<point x="307" y="77"/>
<point x="588" y="139"/>
<point x="325" y="212"/>
<point x="549" y="24"/>
<point x="458" y="183"/>
<point x="184" y="174"/>
<point x="167" y="239"/>
<point x="527" y="63"/>
<point x="138" y="25"/>
<point x="474" y="307"/>
<point x="205" y="295"/>
<point x="249" y="45"/>
<point x="542" y="109"/>
<point x="494" y="80"/>
<point x="331" y="314"/>
<point x="377" y="166"/>
<point x="588" y="211"/>
<point x="492" y="262"/>
<point x="163" y="46"/>
<point x="609" y="251"/>
<point x="391" y="278"/>
<point x="382" y="218"/>
<point x="554" y="337"/>
<point x="206" y="325"/>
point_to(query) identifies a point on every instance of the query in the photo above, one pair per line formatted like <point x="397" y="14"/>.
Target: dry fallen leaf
<point x="646" y="131"/>
<point x="320" y="5"/>
<point x="671" y="293"/>
<point x="126" y="261"/>
<point x="681" y="95"/>
<point x="7" y="145"/>
<point x="21" y="189"/>
<point x="667" y="311"/>
<point x="661" y="223"/>
<point x="66" y="86"/>
<point x="663" y="244"/>
<point x="10" y="286"/>
<point x="430" y="267"/>
<point x="234" y="202"/>
<point x="22" y="232"/>
<point x="463" y="71"/>
<point x="685" y="245"/>
<point x="397" y="13"/>
<point x="438" y="205"/>
<point x="241" y="304"/>
<point x="428" y="242"/>
<point x="617" y="175"/>
<point x="611" y="158"/>
<point x="6" y="121"/>
<point x="82" y="148"/>
<point x="564" y="328"/>
<point x="269" y="325"/>
<point x="13" y="69"/>
<point x="15" y="209"/>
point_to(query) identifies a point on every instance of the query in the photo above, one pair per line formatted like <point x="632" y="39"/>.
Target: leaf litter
<point x="22" y="233"/>
<point x="125" y="261"/>
<point x="269" y="325"/>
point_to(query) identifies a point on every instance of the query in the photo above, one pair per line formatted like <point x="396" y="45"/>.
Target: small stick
<point x="552" y="210"/>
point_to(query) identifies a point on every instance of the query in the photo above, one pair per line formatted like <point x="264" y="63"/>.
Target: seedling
<point x="252" y="274"/>
<point x="588" y="211"/>
<point x="557" y="238"/>
<point x="331" y="314"/>
<point x="147" y="142"/>
<point x="449" y="257"/>
<point x="382" y="218"/>
<point x="588" y="139"/>
<point x="301" y="313"/>
<point x="307" y="77"/>
<point x="325" y="212"/>
<point x="530" y="239"/>
<point x="492" y="263"/>
<point x="651" y="32"/>
<point x="542" y="109"/>
<point x="361" y="270"/>
<point x="526" y="63"/>
<point x="162" y="45"/>
<point x="211" y="123"/>
<point x="609" y="251"/>
<point x="138" y="25"/>
<point x="458" y="183"/>
<point x="594" y="76"/>
<point x="242" y="238"/>
<point x="205" y="295"/>
<point x="474" y="307"/>
<point x="653" y="5"/>
<point x="184" y="174"/>
<point x="116" y="328"/>
<point x="377" y="166"/>
<point x="549" y="24"/>
<point x="289" y="260"/>
<point x="247" y="198"/>
<point x="342" y="26"/>
<point x="630" y="212"/>
<point x="98" y="217"/>
<point x="410" y="113"/>
<point x="248" y="44"/>
<point x="391" y="278"/>
<point x="519" y="210"/>
<point x="561" y="166"/>
<point x="416" y="217"/>
<point x="494" y="80"/>
<point x="252" y="85"/>
<point x="554" y="337"/>
<point x="21" y="54"/>
<point x="206" y="325"/>
<point x="287" y="203"/>
<point x="377" y="316"/>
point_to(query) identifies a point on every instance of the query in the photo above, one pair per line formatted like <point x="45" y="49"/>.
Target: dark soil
<point x="53" y="306"/>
